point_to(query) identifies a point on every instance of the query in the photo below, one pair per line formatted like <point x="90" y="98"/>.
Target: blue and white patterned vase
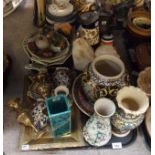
<point x="132" y="103"/>
<point x="97" y="130"/>
<point x="104" y="77"/>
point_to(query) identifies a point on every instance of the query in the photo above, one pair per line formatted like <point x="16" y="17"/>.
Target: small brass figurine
<point x="22" y="115"/>
<point x="25" y="120"/>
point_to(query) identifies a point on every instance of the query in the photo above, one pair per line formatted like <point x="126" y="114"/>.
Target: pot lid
<point x="87" y="18"/>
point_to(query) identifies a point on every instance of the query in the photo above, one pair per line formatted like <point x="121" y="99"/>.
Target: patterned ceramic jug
<point x="97" y="131"/>
<point x="104" y="77"/>
<point x="132" y="105"/>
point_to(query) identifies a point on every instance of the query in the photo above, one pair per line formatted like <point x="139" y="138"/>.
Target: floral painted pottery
<point x="89" y="29"/>
<point x="63" y="76"/>
<point x="60" y="8"/>
<point x="39" y="115"/>
<point x="97" y="130"/>
<point x="59" y="114"/>
<point x="144" y="80"/>
<point x="104" y="77"/>
<point x="82" y="54"/>
<point x="106" y="46"/>
<point x="139" y="23"/>
<point x="132" y="104"/>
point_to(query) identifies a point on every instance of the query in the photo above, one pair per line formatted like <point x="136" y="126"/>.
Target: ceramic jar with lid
<point x="132" y="104"/>
<point x="89" y="27"/>
<point x="104" y="77"/>
<point x="97" y="130"/>
<point x="106" y="46"/>
<point x="60" y="8"/>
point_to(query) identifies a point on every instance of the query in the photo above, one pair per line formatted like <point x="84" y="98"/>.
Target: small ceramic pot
<point x="132" y="104"/>
<point x="104" y="77"/>
<point x="97" y="130"/>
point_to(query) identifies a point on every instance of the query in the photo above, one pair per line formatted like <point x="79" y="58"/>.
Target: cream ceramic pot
<point x="104" y="77"/>
<point x="132" y="104"/>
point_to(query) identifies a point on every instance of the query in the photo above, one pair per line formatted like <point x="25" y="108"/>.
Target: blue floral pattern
<point x="97" y="131"/>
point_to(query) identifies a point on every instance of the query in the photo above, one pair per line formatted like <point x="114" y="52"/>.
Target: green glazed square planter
<point x="59" y="114"/>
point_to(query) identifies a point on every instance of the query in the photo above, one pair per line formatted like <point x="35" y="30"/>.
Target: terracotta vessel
<point x="97" y="131"/>
<point x="132" y="104"/>
<point x="104" y="77"/>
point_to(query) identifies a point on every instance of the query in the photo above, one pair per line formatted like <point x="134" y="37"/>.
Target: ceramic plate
<point x="148" y="121"/>
<point x="80" y="100"/>
<point x="56" y="57"/>
<point x="10" y="7"/>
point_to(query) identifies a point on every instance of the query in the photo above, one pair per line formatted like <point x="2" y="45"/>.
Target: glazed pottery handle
<point x="36" y="67"/>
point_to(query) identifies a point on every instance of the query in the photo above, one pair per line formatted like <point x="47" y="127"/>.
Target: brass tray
<point x="47" y="142"/>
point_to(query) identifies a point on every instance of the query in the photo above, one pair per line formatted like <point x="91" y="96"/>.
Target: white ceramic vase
<point x="97" y="130"/>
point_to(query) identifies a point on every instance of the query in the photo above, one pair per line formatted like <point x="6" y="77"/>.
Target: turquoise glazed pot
<point x="59" y="114"/>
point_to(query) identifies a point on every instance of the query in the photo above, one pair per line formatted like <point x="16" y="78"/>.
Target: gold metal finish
<point x="25" y="120"/>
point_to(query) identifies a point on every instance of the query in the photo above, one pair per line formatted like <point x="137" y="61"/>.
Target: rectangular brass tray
<point x="73" y="140"/>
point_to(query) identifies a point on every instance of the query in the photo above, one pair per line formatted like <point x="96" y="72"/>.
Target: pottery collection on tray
<point x="97" y="81"/>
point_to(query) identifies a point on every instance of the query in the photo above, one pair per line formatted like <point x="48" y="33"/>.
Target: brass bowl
<point x="139" y="23"/>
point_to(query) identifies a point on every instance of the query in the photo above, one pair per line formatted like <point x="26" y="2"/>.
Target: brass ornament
<point x="25" y="120"/>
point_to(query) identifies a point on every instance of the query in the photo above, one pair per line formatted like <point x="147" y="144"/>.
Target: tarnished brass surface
<point x="32" y="140"/>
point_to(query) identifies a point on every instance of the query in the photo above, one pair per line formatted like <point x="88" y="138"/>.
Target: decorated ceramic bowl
<point x="144" y="80"/>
